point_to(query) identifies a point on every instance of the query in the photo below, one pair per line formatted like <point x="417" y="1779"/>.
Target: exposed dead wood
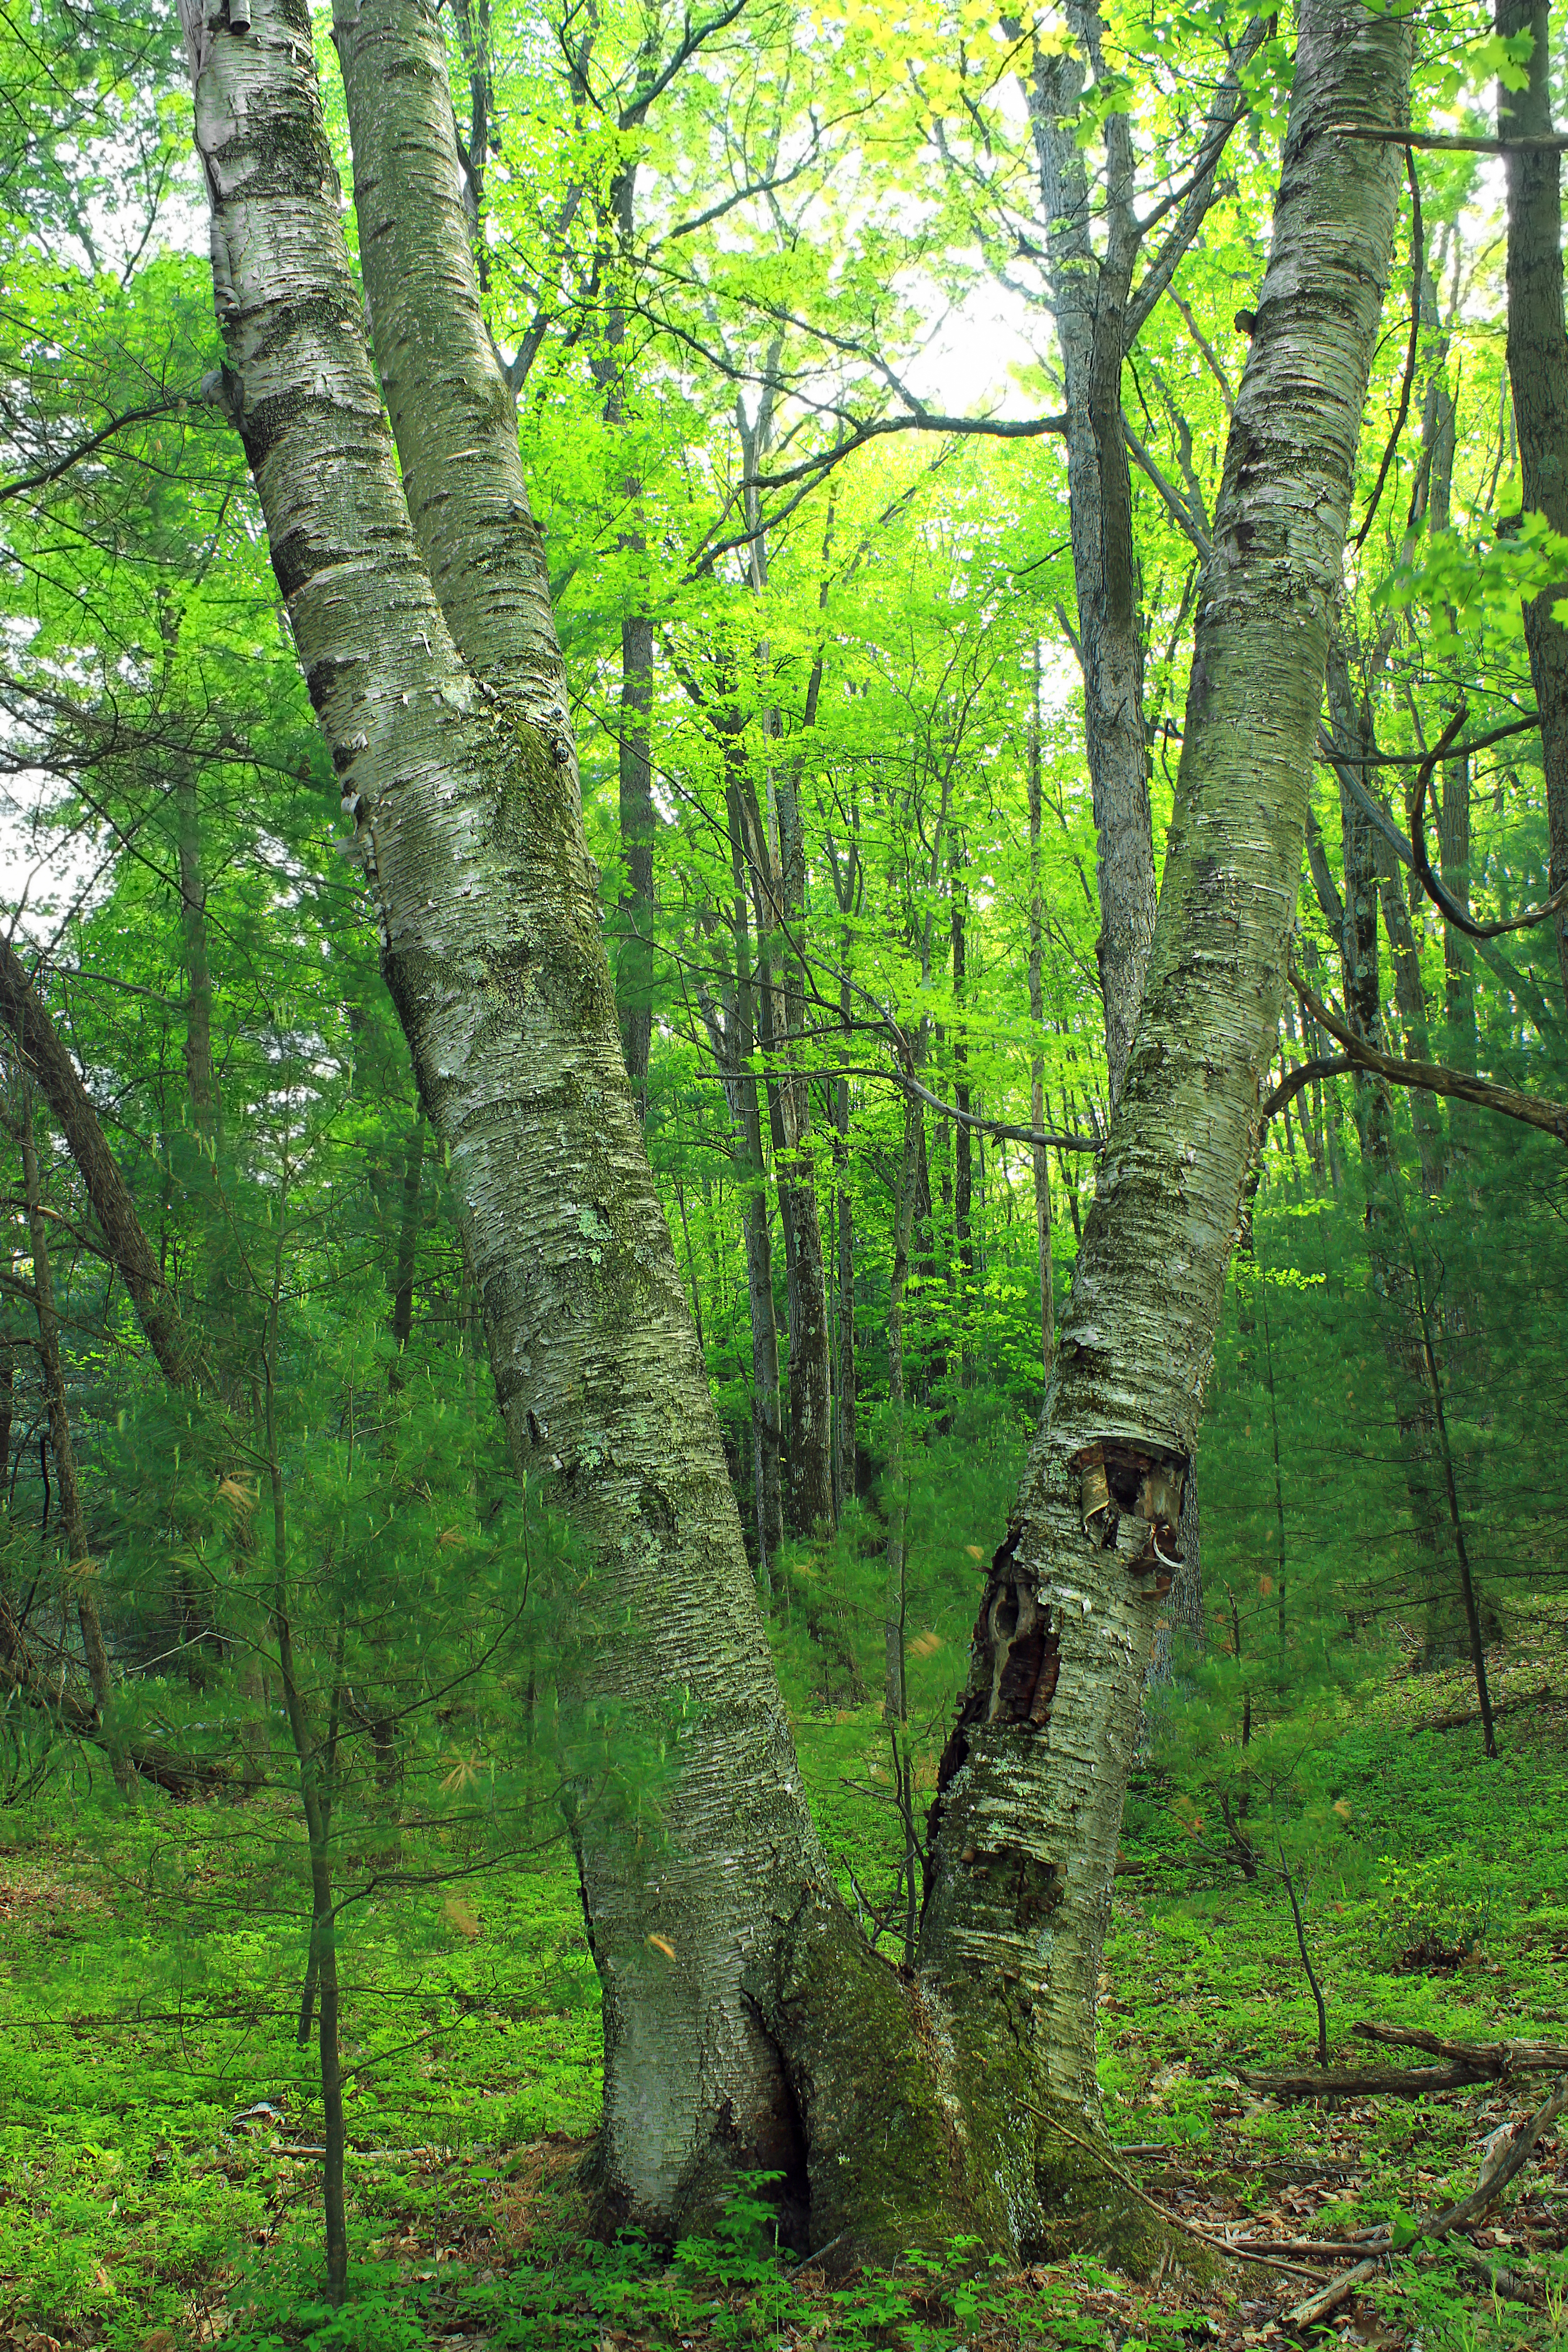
<point x="179" y="1776"/>
<point x="1338" y="2290"/>
<point x="1361" y="2082"/>
<point x="1461" y="1718"/>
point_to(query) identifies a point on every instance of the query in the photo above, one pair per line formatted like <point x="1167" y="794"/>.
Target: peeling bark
<point x="424" y="629"/>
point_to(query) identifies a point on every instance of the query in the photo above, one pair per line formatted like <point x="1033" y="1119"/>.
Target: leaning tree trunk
<point x="44" y="1056"/>
<point x="1031" y="1787"/>
<point x="416" y="592"/>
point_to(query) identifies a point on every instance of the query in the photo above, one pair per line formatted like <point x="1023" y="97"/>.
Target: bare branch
<point x="1416" y="262"/>
<point x="1321" y="1065"/>
<point x="48" y="474"/>
<point x="1453" y="144"/>
<point x="1423" y="864"/>
<point x="1434" y="1078"/>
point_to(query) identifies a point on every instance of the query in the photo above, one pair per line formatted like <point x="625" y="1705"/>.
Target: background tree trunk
<point x="1538" y="371"/>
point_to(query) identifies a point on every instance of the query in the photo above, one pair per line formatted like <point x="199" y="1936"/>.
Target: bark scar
<point x="1130" y="1501"/>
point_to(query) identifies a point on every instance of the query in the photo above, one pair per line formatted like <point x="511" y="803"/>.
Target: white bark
<point x="1034" y="1777"/>
<point x="424" y="631"/>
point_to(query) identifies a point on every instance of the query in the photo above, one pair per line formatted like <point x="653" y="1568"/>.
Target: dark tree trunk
<point x="45" y="1057"/>
<point x="408" y="1236"/>
<point x="1538" y="371"/>
<point x="963" y="1143"/>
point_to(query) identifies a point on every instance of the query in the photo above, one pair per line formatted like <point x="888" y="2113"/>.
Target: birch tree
<point x="746" y="2023"/>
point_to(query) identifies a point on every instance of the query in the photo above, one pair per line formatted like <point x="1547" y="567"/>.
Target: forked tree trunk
<point x="745" y="2022"/>
<point x="421" y="613"/>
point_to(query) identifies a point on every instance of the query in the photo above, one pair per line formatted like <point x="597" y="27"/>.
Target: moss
<point x="884" y="2164"/>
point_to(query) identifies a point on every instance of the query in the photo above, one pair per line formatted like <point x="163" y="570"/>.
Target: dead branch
<point x="1436" y="1077"/>
<point x="1360" y="2082"/>
<point x="1503" y="2160"/>
<point x="1486" y="2057"/>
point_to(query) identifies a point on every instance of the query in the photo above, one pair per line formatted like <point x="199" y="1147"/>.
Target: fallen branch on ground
<point x="1486" y="2057"/>
<point x="1357" y="2082"/>
<point x="1464" y="2063"/>
<point x="1507" y="2155"/>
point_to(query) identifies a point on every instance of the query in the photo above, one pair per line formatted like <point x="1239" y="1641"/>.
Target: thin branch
<point x="1552" y="142"/>
<point x="1417" y="262"/>
<point x="998" y="427"/>
<point x="1168" y="491"/>
<point x="1423" y="864"/>
<point x="95" y="441"/>
<point x="1306" y="1073"/>
<point x="1338" y="759"/>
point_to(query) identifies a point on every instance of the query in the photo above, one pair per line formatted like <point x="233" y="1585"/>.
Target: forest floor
<point x="158" y="2186"/>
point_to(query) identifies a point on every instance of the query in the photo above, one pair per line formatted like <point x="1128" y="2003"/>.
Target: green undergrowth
<point x="157" y="2188"/>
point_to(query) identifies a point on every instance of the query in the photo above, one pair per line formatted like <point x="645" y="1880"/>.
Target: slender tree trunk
<point x="1459" y="955"/>
<point x="780" y="895"/>
<point x="200" y="1082"/>
<point x="1088" y="301"/>
<point x="634" y="958"/>
<point x="895" y="1704"/>
<point x="1538" y="371"/>
<point x="1410" y="1001"/>
<point x="1461" y="1549"/>
<point x="1038" y="1154"/>
<point x="1023" y="1843"/>
<point x="963" y="1143"/>
<point x="79" y="1570"/>
<point x="408" y="1235"/>
<point x="43" y="1054"/>
<point x="846" y="1433"/>
<point x="315" y="1757"/>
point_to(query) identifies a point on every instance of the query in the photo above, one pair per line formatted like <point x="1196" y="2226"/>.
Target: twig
<point x="1214" y="2245"/>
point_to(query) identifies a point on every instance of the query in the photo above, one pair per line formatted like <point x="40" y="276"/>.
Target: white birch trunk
<point x="1024" y="1835"/>
<point x="424" y="629"/>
